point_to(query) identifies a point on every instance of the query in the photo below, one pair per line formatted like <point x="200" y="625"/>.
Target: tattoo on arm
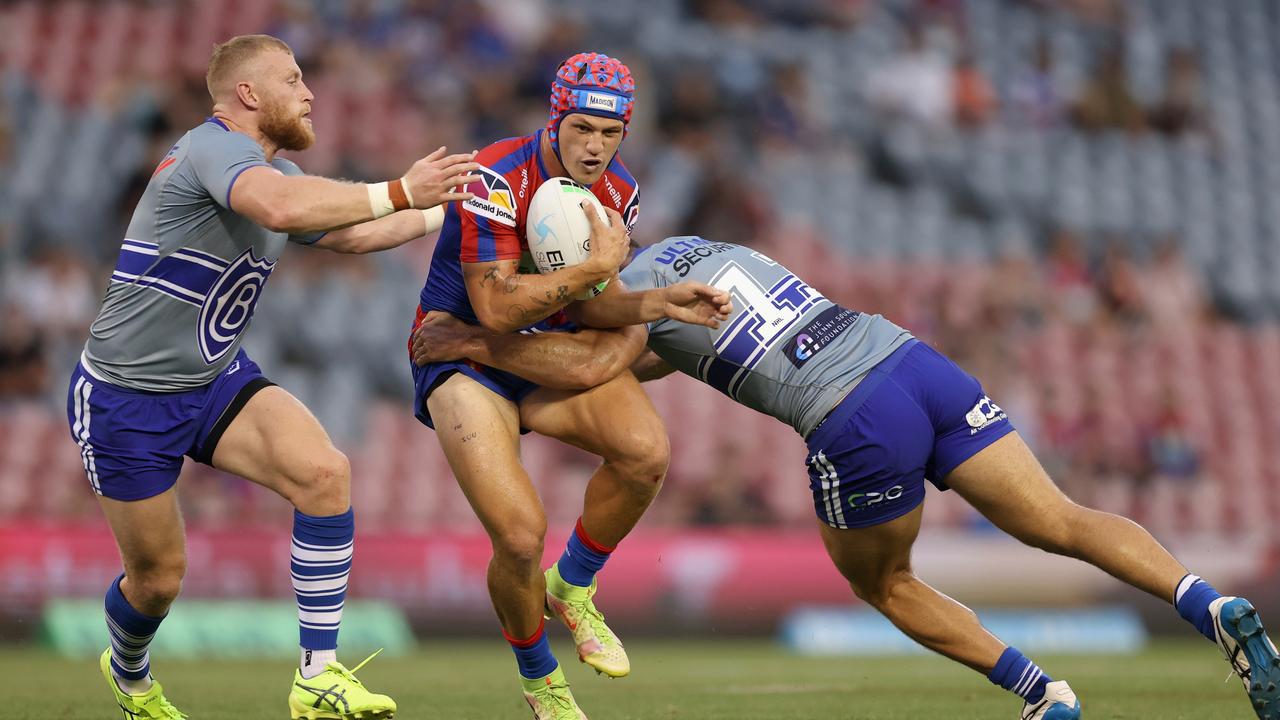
<point x="512" y="283"/>
<point x="490" y="277"/>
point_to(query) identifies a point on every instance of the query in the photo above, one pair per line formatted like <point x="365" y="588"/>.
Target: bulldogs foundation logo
<point x="984" y="414"/>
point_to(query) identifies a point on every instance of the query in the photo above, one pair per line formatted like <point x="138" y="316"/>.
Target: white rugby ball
<point x="557" y="230"/>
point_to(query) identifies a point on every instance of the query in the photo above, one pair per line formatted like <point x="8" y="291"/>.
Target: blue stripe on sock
<point x="131" y="633"/>
<point x="1193" y="606"/>
<point x="1017" y="674"/>
<point x="536" y="660"/>
<point x="579" y="563"/>
<point x="324" y="534"/>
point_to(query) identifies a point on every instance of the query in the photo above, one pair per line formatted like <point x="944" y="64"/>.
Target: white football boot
<point x="1058" y="703"/>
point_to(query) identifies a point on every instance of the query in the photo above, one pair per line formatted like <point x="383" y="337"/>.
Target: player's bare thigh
<point x="1006" y="483"/>
<point x="276" y="442"/>
<point x="614" y="420"/>
<point x="479" y="432"/>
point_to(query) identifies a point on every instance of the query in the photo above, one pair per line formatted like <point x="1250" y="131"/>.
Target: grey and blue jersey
<point x="786" y="350"/>
<point x="190" y="270"/>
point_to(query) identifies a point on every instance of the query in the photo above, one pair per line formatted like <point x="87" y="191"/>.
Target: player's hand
<point x="437" y="178"/>
<point x="697" y="304"/>
<point x="609" y="243"/>
<point x="442" y="337"/>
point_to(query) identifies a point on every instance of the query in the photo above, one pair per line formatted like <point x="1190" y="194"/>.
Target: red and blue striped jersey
<point x="491" y="226"/>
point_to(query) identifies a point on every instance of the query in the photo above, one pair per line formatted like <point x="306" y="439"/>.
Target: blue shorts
<point x="915" y="416"/>
<point x="132" y="442"/>
<point x="428" y="377"/>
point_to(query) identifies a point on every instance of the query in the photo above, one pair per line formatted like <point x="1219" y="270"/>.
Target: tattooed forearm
<point x="518" y="314"/>
<point x="512" y="283"/>
<point x="490" y="277"/>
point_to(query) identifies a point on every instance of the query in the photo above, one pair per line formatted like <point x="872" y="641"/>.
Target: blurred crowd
<point x="1006" y="178"/>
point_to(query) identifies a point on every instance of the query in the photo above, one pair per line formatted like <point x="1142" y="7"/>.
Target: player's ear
<point x="247" y="95"/>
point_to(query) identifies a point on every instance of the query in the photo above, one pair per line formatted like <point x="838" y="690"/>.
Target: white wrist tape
<point x="388" y="197"/>
<point x="434" y="218"/>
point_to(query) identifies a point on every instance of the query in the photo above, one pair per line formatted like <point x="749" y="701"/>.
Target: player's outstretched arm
<point x="302" y="204"/>
<point x="690" y="302"/>
<point x="559" y="360"/>
<point x="384" y="233"/>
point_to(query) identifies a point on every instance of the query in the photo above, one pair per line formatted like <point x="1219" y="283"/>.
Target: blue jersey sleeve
<point x="216" y="159"/>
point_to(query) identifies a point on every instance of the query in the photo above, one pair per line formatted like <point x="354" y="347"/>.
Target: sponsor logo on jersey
<point x="631" y="212"/>
<point x="601" y="101"/>
<point x="819" y="333"/>
<point x="683" y="254"/>
<point x="862" y="501"/>
<point x="614" y="195"/>
<point x="493" y="198"/>
<point x="228" y="307"/>
<point x="983" y="414"/>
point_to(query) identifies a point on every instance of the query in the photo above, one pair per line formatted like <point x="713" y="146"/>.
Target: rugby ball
<point x="557" y="230"/>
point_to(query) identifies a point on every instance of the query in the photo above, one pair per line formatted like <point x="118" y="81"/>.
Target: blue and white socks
<point x="320" y="561"/>
<point x="131" y="634"/>
<point x="582" y="558"/>
<point x="1192" y="599"/>
<point x="1017" y="674"/>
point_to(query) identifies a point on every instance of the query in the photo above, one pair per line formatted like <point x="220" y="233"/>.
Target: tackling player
<point x="881" y="413"/>
<point x="478" y="412"/>
<point x="163" y="376"/>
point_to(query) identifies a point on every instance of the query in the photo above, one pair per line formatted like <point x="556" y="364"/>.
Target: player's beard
<point x="287" y="130"/>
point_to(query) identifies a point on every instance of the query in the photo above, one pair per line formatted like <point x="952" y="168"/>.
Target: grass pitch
<point x="698" y="680"/>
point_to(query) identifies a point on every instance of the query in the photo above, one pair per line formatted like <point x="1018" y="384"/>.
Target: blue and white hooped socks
<point x="131" y="633"/>
<point x="1192" y="599"/>
<point x="319" y="563"/>
<point x="1017" y="674"/>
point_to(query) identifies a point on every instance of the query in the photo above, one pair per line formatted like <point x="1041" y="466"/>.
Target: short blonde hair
<point x="230" y="55"/>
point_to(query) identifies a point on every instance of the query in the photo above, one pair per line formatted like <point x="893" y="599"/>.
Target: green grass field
<point x="732" y="680"/>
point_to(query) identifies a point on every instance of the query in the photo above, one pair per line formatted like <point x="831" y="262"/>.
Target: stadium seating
<point x="913" y="221"/>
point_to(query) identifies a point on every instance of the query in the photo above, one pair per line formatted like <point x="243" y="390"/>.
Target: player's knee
<point x="323" y="485"/>
<point x="644" y="457"/>
<point x="520" y="544"/>
<point x="880" y="589"/>
<point x="156" y="585"/>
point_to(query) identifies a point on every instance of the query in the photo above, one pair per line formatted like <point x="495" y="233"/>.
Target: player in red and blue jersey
<point x="479" y="412"/>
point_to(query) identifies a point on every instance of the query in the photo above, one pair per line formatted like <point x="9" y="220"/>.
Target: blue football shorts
<point x="915" y="416"/>
<point x="132" y="442"/>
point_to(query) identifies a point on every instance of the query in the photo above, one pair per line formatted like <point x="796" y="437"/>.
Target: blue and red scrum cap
<point x="592" y="84"/>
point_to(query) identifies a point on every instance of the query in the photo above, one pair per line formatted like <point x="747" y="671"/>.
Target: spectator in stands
<point x="1036" y="97"/>
<point x="915" y="84"/>
<point x="24" y="370"/>
<point x="1170" y="452"/>
<point x="1107" y="102"/>
<point x="975" y="100"/>
<point x="733" y="493"/>
<point x="1119" y="287"/>
<point x="1183" y="107"/>
<point x="1074" y="297"/>
<point x="1175" y="296"/>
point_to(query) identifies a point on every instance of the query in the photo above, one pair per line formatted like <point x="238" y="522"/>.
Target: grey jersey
<point x="190" y="269"/>
<point x="786" y="351"/>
